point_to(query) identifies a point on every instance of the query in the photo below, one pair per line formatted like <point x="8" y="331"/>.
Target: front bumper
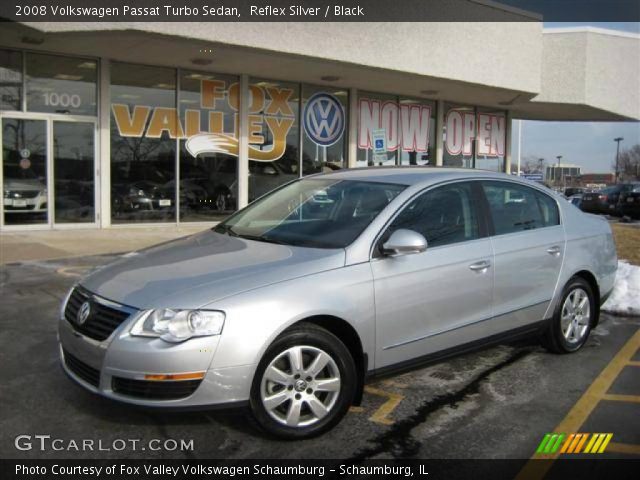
<point x="36" y="204"/>
<point x="116" y="368"/>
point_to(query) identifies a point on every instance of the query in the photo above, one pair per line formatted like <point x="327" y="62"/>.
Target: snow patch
<point x="625" y="298"/>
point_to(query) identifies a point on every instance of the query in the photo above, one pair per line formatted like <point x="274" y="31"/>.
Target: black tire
<point x="312" y="339"/>
<point x="553" y="338"/>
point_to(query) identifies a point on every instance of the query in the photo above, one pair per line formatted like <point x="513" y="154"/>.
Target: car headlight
<point x="178" y="325"/>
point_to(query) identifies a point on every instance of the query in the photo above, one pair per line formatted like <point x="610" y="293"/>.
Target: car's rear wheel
<point x="304" y="383"/>
<point x="573" y="318"/>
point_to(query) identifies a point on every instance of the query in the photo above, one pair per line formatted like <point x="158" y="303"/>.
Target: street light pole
<point x="617" y="140"/>
<point x="555" y="177"/>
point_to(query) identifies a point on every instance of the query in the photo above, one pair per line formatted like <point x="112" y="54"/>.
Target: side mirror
<point x="404" y="242"/>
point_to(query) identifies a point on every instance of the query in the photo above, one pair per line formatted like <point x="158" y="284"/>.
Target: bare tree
<point x="629" y="164"/>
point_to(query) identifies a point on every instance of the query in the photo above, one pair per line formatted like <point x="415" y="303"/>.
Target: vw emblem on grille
<point x="323" y="119"/>
<point x="83" y="313"/>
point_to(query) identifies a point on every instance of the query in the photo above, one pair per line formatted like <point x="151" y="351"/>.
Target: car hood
<point x="199" y="269"/>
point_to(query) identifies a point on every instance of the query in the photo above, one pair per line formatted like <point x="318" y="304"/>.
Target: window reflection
<point x="273" y="135"/>
<point x="208" y="180"/>
<point x="73" y="172"/>
<point x="143" y="147"/>
<point x="10" y="80"/>
<point x="58" y="84"/>
<point x="24" y="169"/>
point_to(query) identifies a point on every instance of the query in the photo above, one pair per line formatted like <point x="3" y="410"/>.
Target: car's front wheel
<point x="304" y="383"/>
<point x="573" y="318"/>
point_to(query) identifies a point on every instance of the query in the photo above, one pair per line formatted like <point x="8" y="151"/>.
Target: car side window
<point x="443" y="216"/>
<point x="549" y="208"/>
<point x="515" y="208"/>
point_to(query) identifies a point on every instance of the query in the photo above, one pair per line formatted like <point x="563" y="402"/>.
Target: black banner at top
<point x="319" y="10"/>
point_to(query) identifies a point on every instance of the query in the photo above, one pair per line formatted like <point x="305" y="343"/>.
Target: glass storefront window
<point x="144" y="129"/>
<point x="474" y="137"/>
<point x="208" y="179"/>
<point x="491" y="137"/>
<point x="459" y="134"/>
<point x="10" y="80"/>
<point x="324" y="117"/>
<point x="417" y="132"/>
<point x="274" y="156"/>
<point x="407" y="124"/>
<point x="58" y="84"/>
<point x="376" y="111"/>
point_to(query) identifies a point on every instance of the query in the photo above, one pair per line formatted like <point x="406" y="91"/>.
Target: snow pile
<point x="625" y="299"/>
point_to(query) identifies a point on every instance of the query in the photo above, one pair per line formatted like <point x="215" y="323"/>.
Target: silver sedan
<point x="291" y="304"/>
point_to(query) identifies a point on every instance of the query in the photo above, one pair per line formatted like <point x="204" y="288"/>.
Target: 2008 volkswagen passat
<point x="291" y="304"/>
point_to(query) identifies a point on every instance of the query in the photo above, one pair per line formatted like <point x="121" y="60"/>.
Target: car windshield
<point x="314" y="212"/>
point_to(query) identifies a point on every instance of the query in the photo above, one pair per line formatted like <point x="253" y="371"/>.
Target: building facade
<point x="560" y="173"/>
<point x="123" y="125"/>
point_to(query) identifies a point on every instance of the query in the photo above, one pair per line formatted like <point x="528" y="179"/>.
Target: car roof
<point x="414" y="175"/>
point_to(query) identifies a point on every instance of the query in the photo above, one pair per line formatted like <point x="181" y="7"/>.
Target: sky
<point x="588" y="144"/>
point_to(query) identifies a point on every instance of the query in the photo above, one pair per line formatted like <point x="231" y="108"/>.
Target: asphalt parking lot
<point x="494" y="403"/>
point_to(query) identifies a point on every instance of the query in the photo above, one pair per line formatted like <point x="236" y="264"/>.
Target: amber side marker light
<point x="175" y="376"/>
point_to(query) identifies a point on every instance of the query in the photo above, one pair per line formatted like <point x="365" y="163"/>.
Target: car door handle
<point x="555" y="251"/>
<point x="480" y="267"/>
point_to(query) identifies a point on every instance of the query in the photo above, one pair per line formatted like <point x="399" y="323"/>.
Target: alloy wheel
<point x="300" y="386"/>
<point x="575" y="315"/>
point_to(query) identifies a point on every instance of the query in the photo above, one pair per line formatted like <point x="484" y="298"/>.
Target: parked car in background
<point x="608" y="200"/>
<point x="571" y="191"/>
<point x="290" y="304"/>
<point x="630" y="206"/>
<point x="575" y="200"/>
<point x="24" y="192"/>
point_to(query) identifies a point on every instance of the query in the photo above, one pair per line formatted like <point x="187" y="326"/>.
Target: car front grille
<point x="102" y="319"/>
<point x="81" y="369"/>
<point x="154" y="390"/>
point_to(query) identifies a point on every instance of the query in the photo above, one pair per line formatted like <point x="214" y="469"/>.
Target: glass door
<point x="74" y="176"/>
<point x="25" y="172"/>
<point x="48" y="172"/>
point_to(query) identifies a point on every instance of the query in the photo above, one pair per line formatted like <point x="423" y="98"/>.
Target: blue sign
<point x="323" y="119"/>
<point x="535" y="177"/>
<point x="379" y="144"/>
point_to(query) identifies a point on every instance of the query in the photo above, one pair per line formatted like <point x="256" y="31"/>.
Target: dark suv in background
<point x="608" y="200"/>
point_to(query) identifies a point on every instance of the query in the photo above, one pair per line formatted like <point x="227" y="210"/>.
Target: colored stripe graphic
<point x="573" y="443"/>
<point x="550" y="443"/>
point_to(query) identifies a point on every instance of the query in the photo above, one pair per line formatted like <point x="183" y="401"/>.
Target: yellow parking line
<point x="381" y="415"/>
<point x="621" y="398"/>
<point x="633" y="364"/>
<point x="623" y="448"/>
<point x="584" y="406"/>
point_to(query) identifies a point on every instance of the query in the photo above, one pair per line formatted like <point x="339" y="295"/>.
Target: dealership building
<point x="110" y="124"/>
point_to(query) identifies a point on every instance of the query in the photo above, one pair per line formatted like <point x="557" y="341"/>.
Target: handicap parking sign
<point x="379" y="141"/>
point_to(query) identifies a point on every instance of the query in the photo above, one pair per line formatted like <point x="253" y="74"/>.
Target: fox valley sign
<point x="272" y="114"/>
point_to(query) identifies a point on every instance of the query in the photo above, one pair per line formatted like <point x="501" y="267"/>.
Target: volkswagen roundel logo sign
<point x="83" y="313"/>
<point x="323" y="119"/>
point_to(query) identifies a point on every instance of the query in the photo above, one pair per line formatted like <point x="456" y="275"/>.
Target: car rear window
<point x="515" y="208"/>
